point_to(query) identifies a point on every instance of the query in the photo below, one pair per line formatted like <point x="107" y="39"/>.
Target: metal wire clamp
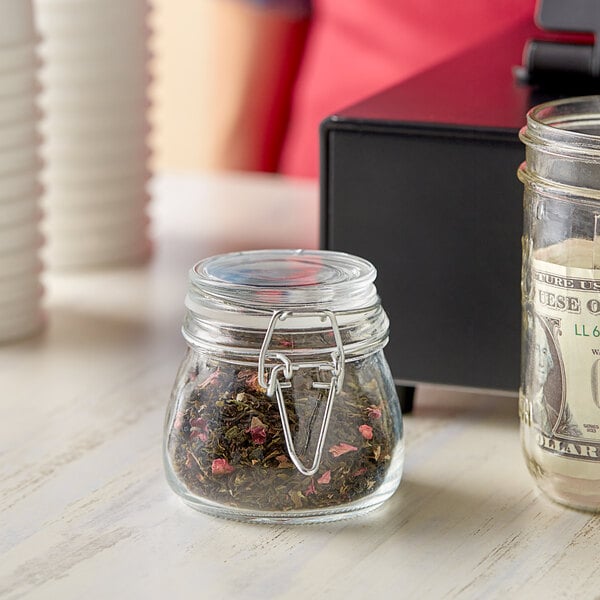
<point x="274" y="386"/>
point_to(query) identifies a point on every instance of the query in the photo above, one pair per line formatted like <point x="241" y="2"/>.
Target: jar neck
<point x="562" y="141"/>
<point x="301" y="336"/>
<point x="540" y="184"/>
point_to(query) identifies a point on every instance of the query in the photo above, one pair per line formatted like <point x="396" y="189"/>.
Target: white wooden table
<point x="85" y="511"/>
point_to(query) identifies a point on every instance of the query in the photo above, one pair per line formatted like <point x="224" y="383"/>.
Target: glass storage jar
<point x="560" y="381"/>
<point x="284" y="408"/>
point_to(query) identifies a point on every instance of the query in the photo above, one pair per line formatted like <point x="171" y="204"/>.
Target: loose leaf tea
<point x="226" y="442"/>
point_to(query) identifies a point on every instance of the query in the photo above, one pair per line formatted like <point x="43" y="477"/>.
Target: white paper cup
<point x="98" y="147"/>
<point x="135" y="134"/>
<point x="79" y="46"/>
<point x="16" y="185"/>
<point x="123" y="75"/>
<point x="19" y="108"/>
<point x="64" y="257"/>
<point x="110" y="223"/>
<point x="86" y="126"/>
<point x="26" y="325"/>
<point x="84" y="99"/>
<point x="18" y="57"/>
<point x="99" y="74"/>
<point x="58" y="174"/>
<point x="114" y="191"/>
<point x="16" y="22"/>
<point x="90" y="238"/>
<point x="20" y="237"/>
<point x="97" y="164"/>
<point x="23" y="261"/>
<point x="87" y="9"/>
<point x="19" y="134"/>
<point x="20" y="305"/>
<point x="15" y="160"/>
<point x="94" y="38"/>
<point x="76" y="51"/>
<point x="95" y="205"/>
<point x="110" y="251"/>
<point x="114" y="18"/>
<point x="19" y="210"/>
<point x="91" y="234"/>
<point x="24" y="288"/>
<point x="19" y="82"/>
<point x="20" y="310"/>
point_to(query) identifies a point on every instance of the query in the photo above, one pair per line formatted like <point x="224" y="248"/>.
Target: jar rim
<point x="570" y="125"/>
<point x="268" y="280"/>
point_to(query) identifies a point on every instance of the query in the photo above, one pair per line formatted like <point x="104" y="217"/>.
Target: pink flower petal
<point x="199" y="429"/>
<point x="220" y="466"/>
<point x="250" y="378"/>
<point x="284" y="462"/>
<point x="259" y="435"/>
<point x="342" y="448"/>
<point x="198" y="423"/>
<point x="325" y="478"/>
<point x="310" y="489"/>
<point x="258" y="431"/>
<point x="178" y="423"/>
<point x="256" y="423"/>
<point x="189" y="461"/>
<point x="374" y="412"/>
<point x="366" y="431"/>
<point x="209" y="380"/>
<point x="359" y="472"/>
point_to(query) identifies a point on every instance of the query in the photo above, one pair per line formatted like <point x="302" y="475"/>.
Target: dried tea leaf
<point x="227" y="443"/>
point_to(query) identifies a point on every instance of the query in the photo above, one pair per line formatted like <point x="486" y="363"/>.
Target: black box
<point x="421" y="180"/>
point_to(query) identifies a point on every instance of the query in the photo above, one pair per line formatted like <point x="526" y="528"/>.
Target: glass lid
<point x="280" y="279"/>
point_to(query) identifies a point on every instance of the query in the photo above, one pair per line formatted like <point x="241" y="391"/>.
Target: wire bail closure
<point x="274" y="387"/>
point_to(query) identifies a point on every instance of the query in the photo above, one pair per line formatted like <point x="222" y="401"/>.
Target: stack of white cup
<point x="20" y="190"/>
<point x="95" y="102"/>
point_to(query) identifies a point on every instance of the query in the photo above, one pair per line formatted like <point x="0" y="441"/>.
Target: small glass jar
<point x="284" y="408"/>
<point x="560" y="381"/>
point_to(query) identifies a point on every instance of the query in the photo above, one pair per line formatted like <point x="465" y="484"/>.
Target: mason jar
<point x="284" y="408"/>
<point x="560" y="381"/>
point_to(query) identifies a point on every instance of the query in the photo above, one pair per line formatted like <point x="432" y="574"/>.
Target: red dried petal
<point x="310" y="489"/>
<point x="259" y="435"/>
<point x="256" y="422"/>
<point x="366" y="431"/>
<point x="258" y="431"/>
<point x="250" y="378"/>
<point x="220" y="466"/>
<point x="209" y="380"/>
<point x="178" y="423"/>
<point x="374" y="412"/>
<point x="199" y="429"/>
<point x="325" y="478"/>
<point x="360" y="472"/>
<point x="342" y="448"/>
<point x="202" y="435"/>
<point x="189" y="461"/>
<point x="284" y="462"/>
